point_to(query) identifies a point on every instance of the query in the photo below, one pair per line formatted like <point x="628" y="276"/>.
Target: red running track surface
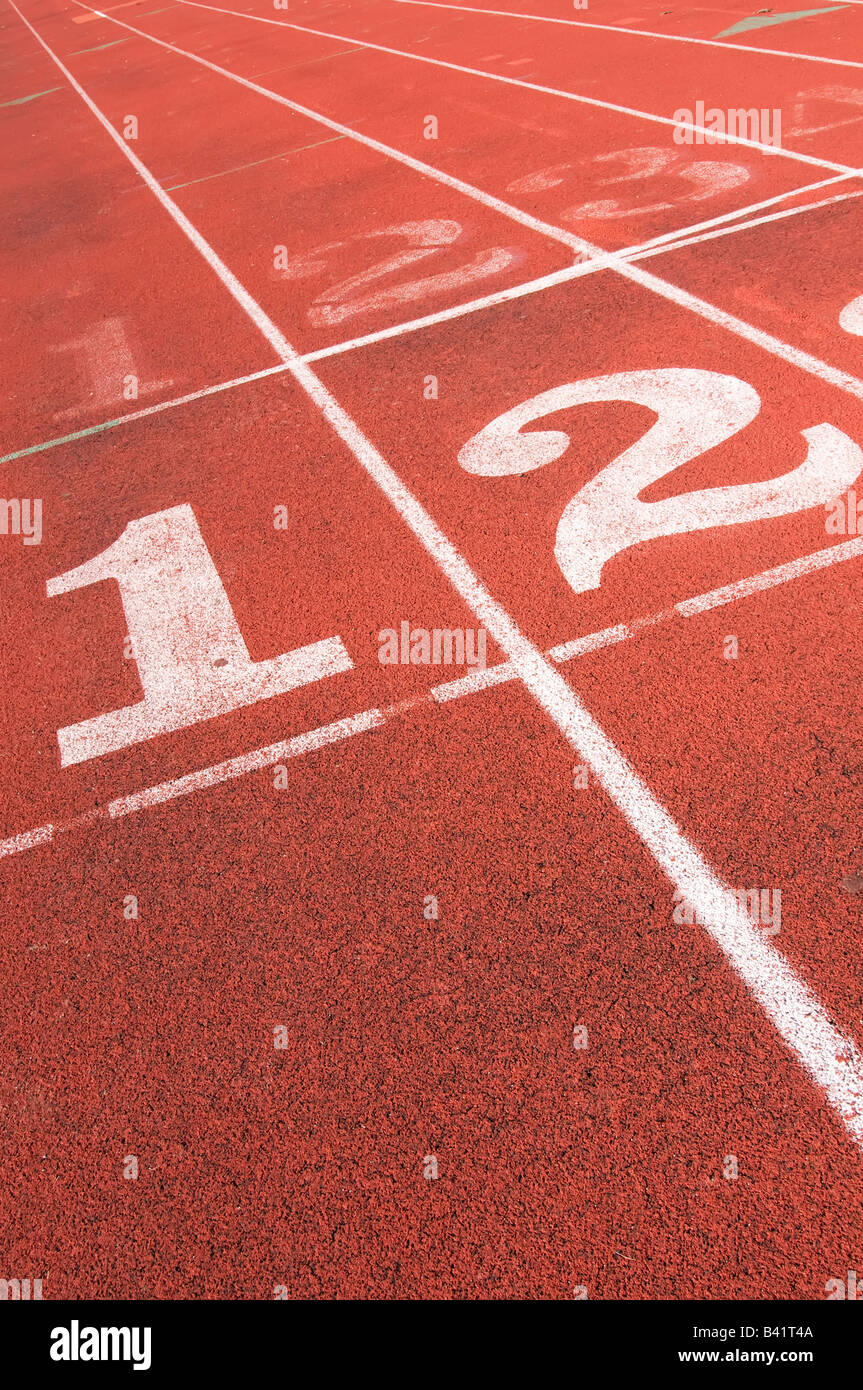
<point x="376" y="986"/>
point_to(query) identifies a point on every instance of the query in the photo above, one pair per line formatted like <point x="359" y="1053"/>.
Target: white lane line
<point x="641" y="33"/>
<point x="238" y="292"/>
<point x="670" y="241"/>
<point x="743" y="212"/>
<point x="142" y="414"/>
<point x="831" y="1059"/>
<point x="559" y="92"/>
<point x="794" y="569"/>
<point x="637" y="252"/>
<point x="247" y="762"/>
<point x="477" y="681"/>
<point x="814" y="366"/>
<point x="741" y="227"/>
<point x="525" y="219"/>
<point x="28" y="839"/>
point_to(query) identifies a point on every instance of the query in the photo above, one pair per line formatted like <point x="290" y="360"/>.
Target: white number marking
<point x="709" y="177"/>
<point x="429" y="238"/>
<point x="108" y="361"/>
<point x="851" y="317"/>
<point x="192" y="660"/>
<point x="696" y="411"/>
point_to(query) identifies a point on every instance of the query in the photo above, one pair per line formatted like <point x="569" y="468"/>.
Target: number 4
<point x="192" y="660"/>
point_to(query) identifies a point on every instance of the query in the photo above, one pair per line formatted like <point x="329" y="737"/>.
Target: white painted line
<point x="741" y="212"/>
<point x="142" y="414"/>
<point x="334" y="349"/>
<point x="794" y="569"/>
<point x="641" y="33"/>
<point x="28" y="839"/>
<point x="797" y="357"/>
<point x="741" y="227"/>
<point x="247" y="762"/>
<point x="472" y="684"/>
<point x="457" y="311"/>
<point x="638" y="252"/>
<point x="559" y="92"/>
<point x="814" y="366"/>
<point x="593" y="642"/>
<point x="525" y="219"/>
<point x="238" y="292"/>
<point x="832" y="1060"/>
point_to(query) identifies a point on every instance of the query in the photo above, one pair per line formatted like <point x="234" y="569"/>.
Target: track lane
<point x="668" y="291"/>
<point x="83" y="315"/>
<point x="840" y="38"/>
<point x="789" y="282"/>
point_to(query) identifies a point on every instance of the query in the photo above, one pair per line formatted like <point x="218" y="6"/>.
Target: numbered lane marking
<point x="709" y="177"/>
<point x="851" y="317"/>
<point x="110" y="368"/>
<point x="696" y="410"/>
<point x="425" y="238"/>
<point x="191" y="657"/>
<point x="833" y="95"/>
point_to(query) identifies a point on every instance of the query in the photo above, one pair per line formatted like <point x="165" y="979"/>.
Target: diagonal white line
<point x="742" y="212"/>
<point x="643" y="33"/>
<point x="671" y="241"/>
<point x="682" y="241"/>
<point x="491" y="676"/>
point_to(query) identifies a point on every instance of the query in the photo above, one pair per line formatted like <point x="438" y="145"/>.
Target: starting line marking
<point x="367" y="720"/>
<point x="642" y="33"/>
<point x="669" y="241"/>
<point x="743" y="226"/>
<point x="831" y="1059"/>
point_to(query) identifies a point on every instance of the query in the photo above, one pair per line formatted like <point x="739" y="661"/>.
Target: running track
<point x="374" y="973"/>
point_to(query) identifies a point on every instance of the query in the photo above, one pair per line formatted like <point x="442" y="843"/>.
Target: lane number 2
<point x="194" y="664"/>
<point x="696" y="410"/>
<point x="364" y="294"/>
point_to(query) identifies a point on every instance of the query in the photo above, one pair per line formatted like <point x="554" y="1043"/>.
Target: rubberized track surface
<point x="334" y="978"/>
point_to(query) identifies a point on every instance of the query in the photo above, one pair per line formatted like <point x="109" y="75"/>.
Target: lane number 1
<point x="191" y="657"/>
